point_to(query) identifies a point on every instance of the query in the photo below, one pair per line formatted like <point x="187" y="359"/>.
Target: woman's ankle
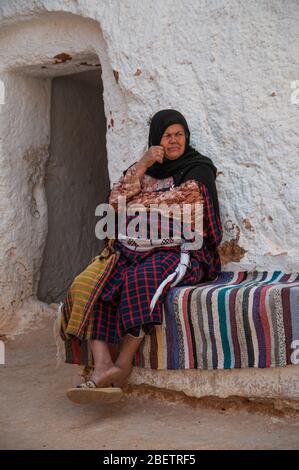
<point x="102" y="367"/>
<point x="124" y="361"/>
<point x="101" y="357"/>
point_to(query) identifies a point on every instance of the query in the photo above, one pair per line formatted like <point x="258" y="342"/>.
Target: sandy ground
<point x="36" y="414"/>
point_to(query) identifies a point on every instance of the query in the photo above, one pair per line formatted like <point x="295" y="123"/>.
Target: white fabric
<point x="178" y="275"/>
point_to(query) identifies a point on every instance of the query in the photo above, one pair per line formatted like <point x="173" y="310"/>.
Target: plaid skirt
<point x="124" y="303"/>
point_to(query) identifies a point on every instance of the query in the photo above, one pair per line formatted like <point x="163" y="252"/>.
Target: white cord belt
<point x="177" y="275"/>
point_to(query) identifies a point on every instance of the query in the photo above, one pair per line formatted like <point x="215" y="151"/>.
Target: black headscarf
<point x="191" y="165"/>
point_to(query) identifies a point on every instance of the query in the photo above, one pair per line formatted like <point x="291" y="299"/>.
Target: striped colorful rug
<point x="241" y="319"/>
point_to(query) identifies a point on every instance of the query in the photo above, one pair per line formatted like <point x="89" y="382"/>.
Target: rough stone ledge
<point x="279" y="384"/>
<point x="272" y="406"/>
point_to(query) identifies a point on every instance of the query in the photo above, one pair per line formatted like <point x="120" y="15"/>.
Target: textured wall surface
<point x="24" y="152"/>
<point x="229" y="66"/>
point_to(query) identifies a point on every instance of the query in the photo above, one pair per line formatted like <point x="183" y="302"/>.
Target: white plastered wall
<point x="27" y="65"/>
<point x="229" y="67"/>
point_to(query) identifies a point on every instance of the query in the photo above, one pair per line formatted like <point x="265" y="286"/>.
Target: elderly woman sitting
<point x="129" y="301"/>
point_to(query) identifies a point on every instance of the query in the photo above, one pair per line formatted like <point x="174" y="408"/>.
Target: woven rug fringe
<point x="60" y="349"/>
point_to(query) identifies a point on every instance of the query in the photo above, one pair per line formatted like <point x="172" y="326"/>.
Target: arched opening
<point x="53" y="158"/>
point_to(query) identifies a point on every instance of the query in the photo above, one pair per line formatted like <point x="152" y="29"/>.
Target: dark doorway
<point x="77" y="180"/>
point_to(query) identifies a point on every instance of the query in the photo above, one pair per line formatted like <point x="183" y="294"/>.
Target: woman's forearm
<point x="135" y="173"/>
<point x="129" y="185"/>
<point x="140" y="169"/>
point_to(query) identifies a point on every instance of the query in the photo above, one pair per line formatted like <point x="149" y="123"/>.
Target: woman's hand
<point x="152" y="155"/>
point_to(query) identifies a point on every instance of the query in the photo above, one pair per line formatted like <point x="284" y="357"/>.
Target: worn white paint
<point x="227" y="65"/>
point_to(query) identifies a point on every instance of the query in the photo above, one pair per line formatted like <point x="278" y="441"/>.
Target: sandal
<point x="88" y="392"/>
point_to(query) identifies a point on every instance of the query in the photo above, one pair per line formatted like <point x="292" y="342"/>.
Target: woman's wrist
<point x="141" y="168"/>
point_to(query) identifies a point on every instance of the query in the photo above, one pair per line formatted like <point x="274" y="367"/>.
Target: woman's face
<point x="173" y="141"/>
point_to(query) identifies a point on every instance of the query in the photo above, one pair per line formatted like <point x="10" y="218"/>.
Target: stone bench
<point x="241" y="331"/>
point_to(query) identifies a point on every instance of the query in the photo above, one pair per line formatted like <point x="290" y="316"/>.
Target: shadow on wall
<point x="77" y="180"/>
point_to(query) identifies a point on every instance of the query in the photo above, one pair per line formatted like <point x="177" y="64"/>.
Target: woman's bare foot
<point x="106" y="373"/>
<point x="123" y="375"/>
<point x="115" y="375"/>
